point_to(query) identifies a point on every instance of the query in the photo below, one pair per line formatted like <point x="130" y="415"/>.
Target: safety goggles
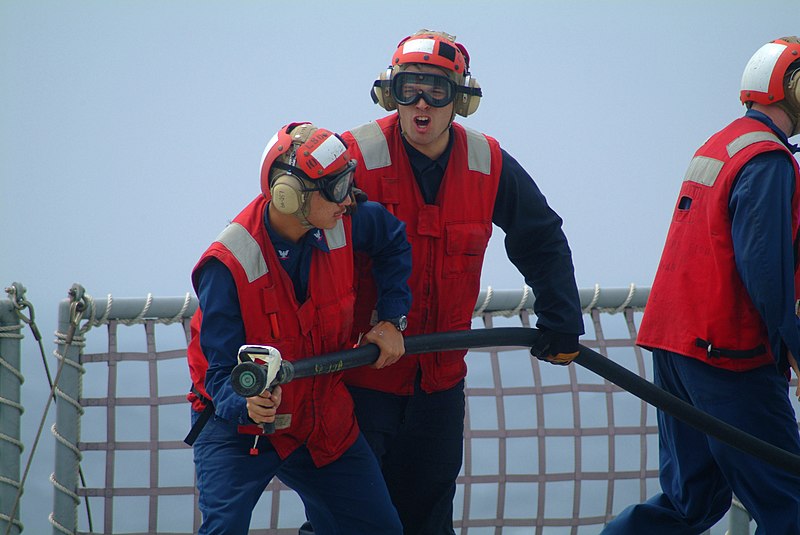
<point x="337" y="187"/>
<point x="334" y="187"/>
<point x="436" y="89"/>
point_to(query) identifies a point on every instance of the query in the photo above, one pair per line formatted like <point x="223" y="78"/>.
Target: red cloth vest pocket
<point x="465" y="245"/>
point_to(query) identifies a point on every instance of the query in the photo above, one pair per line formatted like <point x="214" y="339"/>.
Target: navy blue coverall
<point x="420" y="438"/>
<point x="698" y="473"/>
<point x="344" y="497"/>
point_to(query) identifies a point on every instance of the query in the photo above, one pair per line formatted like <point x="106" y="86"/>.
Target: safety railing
<point x="548" y="449"/>
<point x="133" y="419"/>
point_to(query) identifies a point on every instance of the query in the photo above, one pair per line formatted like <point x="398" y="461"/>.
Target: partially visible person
<point x="449" y="184"/>
<point x="281" y="274"/>
<point x="721" y="319"/>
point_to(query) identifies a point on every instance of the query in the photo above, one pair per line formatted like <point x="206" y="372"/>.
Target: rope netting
<point x="553" y="449"/>
<point x="548" y="449"/>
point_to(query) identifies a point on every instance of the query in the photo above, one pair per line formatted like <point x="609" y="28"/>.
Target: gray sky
<point x="131" y="132"/>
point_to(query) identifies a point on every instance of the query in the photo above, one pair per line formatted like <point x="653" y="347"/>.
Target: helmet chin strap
<point x="302" y="216"/>
<point x="305" y="208"/>
<point x="303" y="212"/>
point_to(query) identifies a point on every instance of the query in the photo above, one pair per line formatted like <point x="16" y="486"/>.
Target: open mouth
<point x="422" y="122"/>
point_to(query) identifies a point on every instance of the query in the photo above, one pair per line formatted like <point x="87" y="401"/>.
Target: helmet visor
<point x="436" y="89"/>
<point x="336" y="187"/>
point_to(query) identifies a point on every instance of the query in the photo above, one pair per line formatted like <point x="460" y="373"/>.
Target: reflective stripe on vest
<point x="479" y="158"/>
<point x="705" y="170"/>
<point x="244" y="247"/>
<point x="744" y="141"/>
<point x="375" y="148"/>
<point x="336" y="237"/>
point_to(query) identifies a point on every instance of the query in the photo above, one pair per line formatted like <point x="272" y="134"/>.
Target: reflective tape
<point x="744" y="141"/>
<point x="335" y="237"/>
<point x="703" y="170"/>
<point x="373" y="144"/>
<point x="375" y="148"/>
<point x="479" y="157"/>
<point x="246" y="250"/>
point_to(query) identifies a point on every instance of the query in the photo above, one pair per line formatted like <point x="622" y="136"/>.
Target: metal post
<point x="10" y="415"/>
<point x="67" y="427"/>
<point x="738" y="519"/>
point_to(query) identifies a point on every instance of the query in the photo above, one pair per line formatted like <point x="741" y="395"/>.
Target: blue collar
<point x="419" y="162"/>
<point x="758" y="116"/>
<point x="313" y="238"/>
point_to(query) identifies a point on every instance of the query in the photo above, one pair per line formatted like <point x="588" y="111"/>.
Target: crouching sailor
<point x="281" y="275"/>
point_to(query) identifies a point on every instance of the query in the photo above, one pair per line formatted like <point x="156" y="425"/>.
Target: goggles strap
<point x="321" y="184"/>
<point x="473" y="91"/>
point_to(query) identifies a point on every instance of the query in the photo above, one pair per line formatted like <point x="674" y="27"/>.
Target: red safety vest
<point x="698" y="305"/>
<point x="448" y="241"/>
<point x="316" y="411"/>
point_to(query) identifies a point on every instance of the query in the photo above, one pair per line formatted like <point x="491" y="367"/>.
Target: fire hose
<point x="249" y="379"/>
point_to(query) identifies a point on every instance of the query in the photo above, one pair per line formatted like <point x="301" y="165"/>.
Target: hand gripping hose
<point x="588" y="358"/>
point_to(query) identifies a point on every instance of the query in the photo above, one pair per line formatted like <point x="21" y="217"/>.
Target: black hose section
<point x="588" y="358"/>
<point x="421" y="343"/>
<point x="687" y="413"/>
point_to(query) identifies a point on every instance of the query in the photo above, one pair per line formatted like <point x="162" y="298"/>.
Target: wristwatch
<point x="400" y="322"/>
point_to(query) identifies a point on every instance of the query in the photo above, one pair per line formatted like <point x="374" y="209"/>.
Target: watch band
<point x="400" y="322"/>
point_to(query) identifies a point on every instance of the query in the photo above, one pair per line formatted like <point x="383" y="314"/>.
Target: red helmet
<point x="315" y="152"/>
<point x="433" y="48"/>
<point x="300" y="159"/>
<point x="764" y="74"/>
<point x="440" y="50"/>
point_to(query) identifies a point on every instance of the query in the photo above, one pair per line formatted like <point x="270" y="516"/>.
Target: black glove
<point x="358" y="196"/>
<point x="556" y="348"/>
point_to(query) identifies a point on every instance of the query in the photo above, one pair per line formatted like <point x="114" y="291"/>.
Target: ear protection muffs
<point x="465" y="103"/>
<point x="791" y="99"/>
<point x="287" y="194"/>
<point x="382" y="91"/>
<point x="437" y="49"/>
<point x="792" y="92"/>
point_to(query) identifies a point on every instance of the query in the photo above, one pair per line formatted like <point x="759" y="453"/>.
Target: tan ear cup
<point x="793" y="91"/>
<point x="287" y="195"/>
<point x="382" y="93"/>
<point x="466" y="104"/>
<point x="791" y="101"/>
